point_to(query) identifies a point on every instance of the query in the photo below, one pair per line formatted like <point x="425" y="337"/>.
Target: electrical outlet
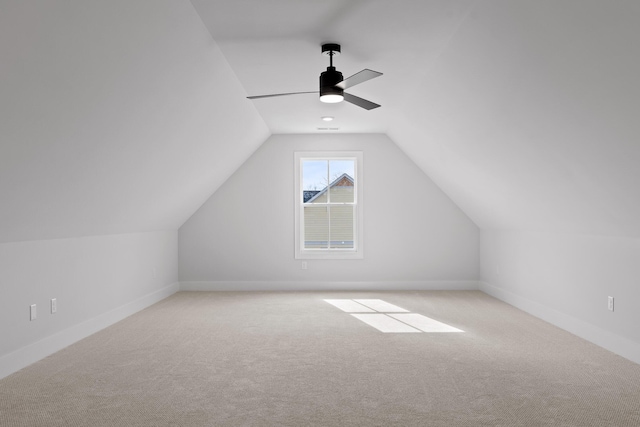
<point x="610" y="303"/>
<point x="54" y="305"/>
<point x="32" y="312"/>
<point x="304" y="265"/>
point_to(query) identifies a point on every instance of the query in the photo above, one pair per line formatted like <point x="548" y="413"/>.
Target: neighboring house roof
<point x="308" y="195"/>
<point x="343" y="180"/>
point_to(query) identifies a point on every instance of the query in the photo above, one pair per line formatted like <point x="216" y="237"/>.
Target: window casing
<point x="328" y="205"/>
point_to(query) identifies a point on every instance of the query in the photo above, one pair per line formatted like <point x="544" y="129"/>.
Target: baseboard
<point x="605" y="339"/>
<point x="25" y="356"/>
<point x="457" y="285"/>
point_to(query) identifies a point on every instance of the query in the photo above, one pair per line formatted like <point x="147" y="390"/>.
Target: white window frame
<point x="357" y="252"/>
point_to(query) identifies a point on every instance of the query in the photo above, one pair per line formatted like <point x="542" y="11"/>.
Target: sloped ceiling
<point x="524" y="112"/>
<point x="123" y="116"/>
<point x="115" y="116"/>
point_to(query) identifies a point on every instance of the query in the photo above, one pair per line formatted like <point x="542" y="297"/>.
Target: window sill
<point x="329" y="255"/>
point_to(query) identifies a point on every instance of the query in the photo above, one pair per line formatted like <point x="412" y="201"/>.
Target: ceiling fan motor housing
<point x="328" y="81"/>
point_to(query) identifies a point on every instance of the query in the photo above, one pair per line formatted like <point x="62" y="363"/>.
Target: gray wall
<point x="96" y="281"/>
<point x="414" y="235"/>
<point x="566" y="279"/>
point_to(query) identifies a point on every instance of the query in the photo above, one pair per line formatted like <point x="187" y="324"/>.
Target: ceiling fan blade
<point x="277" y="94"/>
<point x="358" y="78"/>
<point x="367" y="105"/>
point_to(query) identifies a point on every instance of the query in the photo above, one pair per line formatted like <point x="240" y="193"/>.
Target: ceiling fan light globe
<point x="331" y="98"/>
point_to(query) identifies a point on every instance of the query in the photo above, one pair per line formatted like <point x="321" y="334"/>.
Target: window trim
<point x="357" y="252"/>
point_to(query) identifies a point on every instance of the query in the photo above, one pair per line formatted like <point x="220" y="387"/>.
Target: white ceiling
<point x="524" y="112"/>
<point x="275" y="47"/>
<point x="121" y="116"/>
<point x="115" y="116"/>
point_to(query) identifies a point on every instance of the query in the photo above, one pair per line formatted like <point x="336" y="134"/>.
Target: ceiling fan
<point x="332" y="84"/>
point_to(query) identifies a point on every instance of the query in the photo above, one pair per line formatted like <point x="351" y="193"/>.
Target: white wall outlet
<point x="610" y="303"/>
<point x="304" y="265"/>
<point x="54" y="305"/>
<point x="32" y="311"/>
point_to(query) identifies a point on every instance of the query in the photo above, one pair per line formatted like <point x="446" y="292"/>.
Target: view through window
<point x="327" y="204"/>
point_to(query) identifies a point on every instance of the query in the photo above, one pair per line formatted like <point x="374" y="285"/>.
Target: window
<point x="328" y="205"/>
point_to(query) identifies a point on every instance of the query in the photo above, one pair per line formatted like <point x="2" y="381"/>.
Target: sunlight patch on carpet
<point x="381" y="306"/>
<point x="424" y="323"/>
<point x="349" y="306"/>
<point x="389" y="318"/>
<point x="384" y="323"/>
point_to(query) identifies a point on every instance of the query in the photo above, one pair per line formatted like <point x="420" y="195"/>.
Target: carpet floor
<point x="292" y="359"/>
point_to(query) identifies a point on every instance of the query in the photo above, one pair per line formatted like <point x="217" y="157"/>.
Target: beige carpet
<point x="291" y="359"/>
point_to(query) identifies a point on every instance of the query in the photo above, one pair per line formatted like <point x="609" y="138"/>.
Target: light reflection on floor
<point x="389" y="318"/>
<point x="384" y="323"/>
<point x="381" y="306"/>
<point x="424" y="323"/>
<point x="349" y="306"/>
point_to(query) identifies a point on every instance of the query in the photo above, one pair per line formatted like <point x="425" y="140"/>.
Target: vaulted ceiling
<point x="121" y="116"/>
<point x="115" y="117"/>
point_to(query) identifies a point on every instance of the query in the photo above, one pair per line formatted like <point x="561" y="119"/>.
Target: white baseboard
<point x="450" y="285"/>
<point x="605" y="339"/>
<point x="27" y="355"/>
